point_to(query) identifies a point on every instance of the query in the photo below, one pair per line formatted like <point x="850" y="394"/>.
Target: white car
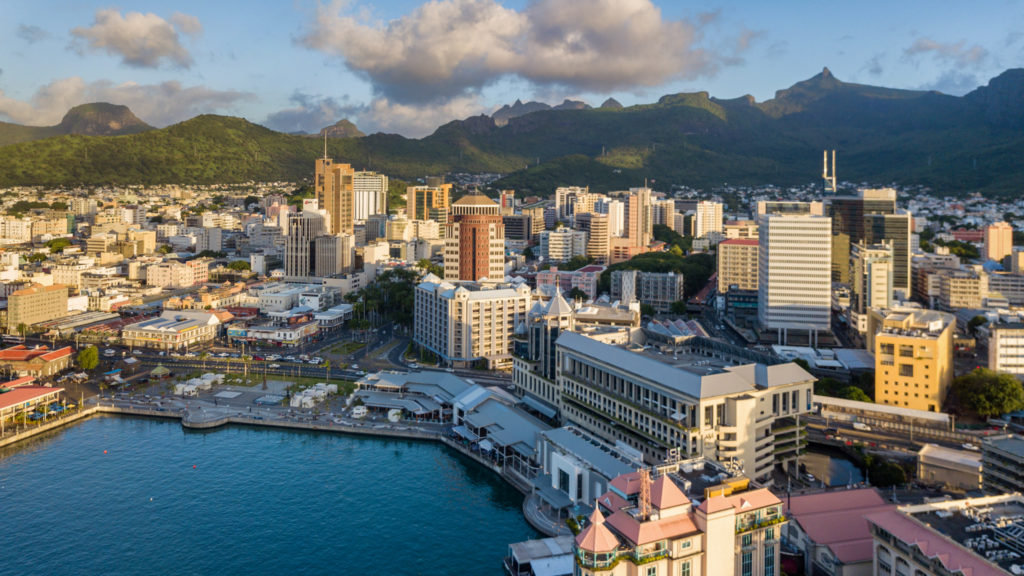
<point x="108" y="352"/>
<point x="274" y="366"/>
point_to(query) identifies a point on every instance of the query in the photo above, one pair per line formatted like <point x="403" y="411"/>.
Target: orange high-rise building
<point x="474" y="245"/>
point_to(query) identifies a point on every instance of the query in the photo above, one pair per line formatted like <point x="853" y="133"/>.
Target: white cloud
<point x="141" y="40"/>
<point x="956" y="53"/>
<point x="157" y="104"/>
<point x="450" y="48"/>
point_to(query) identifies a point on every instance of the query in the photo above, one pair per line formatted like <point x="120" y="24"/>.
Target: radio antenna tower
<point x="830" y="180"/>
<point x="325" y="144"/>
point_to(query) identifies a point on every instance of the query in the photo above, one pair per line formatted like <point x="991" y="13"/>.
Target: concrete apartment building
<point x="998" y="241"/>
<point x="794" y="273"/>
<point x="871" y="281"/>
<point x="35" y="304"/>
<point x="707" y="219"/>
<point x="562" y="244"/>
<point x="595" y="226"/>
<point x="1006" y="347"/>
<point x="468" y="322"/>
<point x="748" y="414"/>
<point x="656" y="289"/>
<point x="737" y="264"/>
<point x="913" y="356"/>
<point x="174" y="275"/>
<point x="962" y="289"/>
<point x="1002" y="469"/>
<point x="474" y="240"/>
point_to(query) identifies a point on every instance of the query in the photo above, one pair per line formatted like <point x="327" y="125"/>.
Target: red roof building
<point x="39" y="361"/>
<point x="25" y="399"/>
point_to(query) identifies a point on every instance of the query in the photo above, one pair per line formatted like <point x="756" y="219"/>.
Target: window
<point x="747" y="539"/>
<point x="907" y="370"/>
<point x="684" y="568"/>
<point x="769" y="561"/>
<point x="906" y="351"/>
<point x="747" y="565"/>
<point x="769" y="534"/>
<point x="652" y="571"/>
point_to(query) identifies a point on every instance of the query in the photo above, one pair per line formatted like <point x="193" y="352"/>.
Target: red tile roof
<point x="596" y="537"/>
<point x="19" y="382"/>
<point x="21" y="353"/>
<point x="836" y="520"/>
<point x="25" y="394"/>
<point x="932" y="544"/>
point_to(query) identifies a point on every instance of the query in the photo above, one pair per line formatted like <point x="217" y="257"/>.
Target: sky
<point x="407" y="66"/>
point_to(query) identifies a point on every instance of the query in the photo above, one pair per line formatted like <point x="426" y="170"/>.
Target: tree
<point x="165" y="249"/>
<point x="239" y="265"/>
<point x="327" y="370"/>
<point x="250" y="200"/>
<point x="88" y="358"/>
<point x="647" y="310"/>
<point x="988" y="393"/>
<point x="431" y="268"/>
<point x="58" y="245"/>
<point x="577" y="294"/>
<point x="853" y="393"/>
<point x="528" y="253"/>
<point x="202" y="357"/>
<point x="978" y="320"/>
<point x="211" y="254"/>
<point x="675" y="249"/>
<point x="678" y="307"/>
<point x="37" y="257"/>
<point x="574" y="263"/>
<point x="22" y="329"/>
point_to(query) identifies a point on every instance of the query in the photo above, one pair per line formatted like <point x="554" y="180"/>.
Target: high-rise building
<point x="894" y="230"/>
<point x="663" y="212"/>
<point x="998" y="241"/>
<point x="370" y="195"/>
<point x="615" y="210"/>
<point x="913" y="356"/>
<point x="299" y="250"/>
<point x="871" y="278"/>
<point x="334" y="193"/>
<point x="562" y="244"/>
<point x="850" y="225"/>
<point x="658" y="290"/>
<point x="737" y="264"/>
<point x="468" y="322"/>
<point x="428" y="202"/>
<point x="333" y="255"/>
<point x="474" y="246"/>
<point x="793" y="274"/>
<point x="638" y="216"/>
<point x="507" y="201"/>
<point x="596" y="227"/>
<point x="563" y="199"/>
<point x="708" y="219"/>
<point x="518" y="227"/>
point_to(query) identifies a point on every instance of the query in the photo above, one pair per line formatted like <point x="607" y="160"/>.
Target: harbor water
<point x="120" y="495"/>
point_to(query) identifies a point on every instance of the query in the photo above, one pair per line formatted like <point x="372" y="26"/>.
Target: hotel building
<point x="468" y="322"/>
<point x="913" y="351"/>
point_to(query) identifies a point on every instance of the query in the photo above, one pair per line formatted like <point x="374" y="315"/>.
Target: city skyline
<point x="407" y="66"/>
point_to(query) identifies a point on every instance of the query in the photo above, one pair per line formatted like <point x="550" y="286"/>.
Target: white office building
<point x="370" y="194"/>
<point x="708" y="219"/>
<point x="562" y="244"/>
<point x="794" y="274"/>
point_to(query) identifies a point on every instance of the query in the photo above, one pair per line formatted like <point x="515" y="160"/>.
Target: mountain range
<point x="952" y="144"/>
<point x="96" y="119"/>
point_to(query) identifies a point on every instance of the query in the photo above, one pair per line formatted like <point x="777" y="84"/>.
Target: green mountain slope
<point x="951" y="143"/>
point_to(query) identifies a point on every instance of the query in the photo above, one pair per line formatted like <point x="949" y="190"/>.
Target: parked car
<point x="274" y="366"/>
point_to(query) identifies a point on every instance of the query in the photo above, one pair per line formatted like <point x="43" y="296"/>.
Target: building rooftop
<point x="26" y="394"/>
<point x="38" y="289"/>
<point x="475" y="200"/>
<point x="977" y="536"/>
<point x="1009" y="443"/>
<point x="603" y="458"/>
<point x="739" y="242"/>
<point x="21" y="353"/>
<point x="683" y="375"/>
<point x="836" y="520"/>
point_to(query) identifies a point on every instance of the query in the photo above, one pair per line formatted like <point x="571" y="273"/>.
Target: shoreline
<point x="190" y="419"/>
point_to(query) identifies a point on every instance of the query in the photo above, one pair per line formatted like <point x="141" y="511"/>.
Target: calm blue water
<point x="257" y="502"/>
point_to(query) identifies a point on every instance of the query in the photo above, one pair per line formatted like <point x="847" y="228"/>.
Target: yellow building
<point x="998" y="241"/>
<point x="737" y="264"/>
<point x="426" y="202"/>
<point x="913" y="356"/>
<point x="35" y="304"/>
<point x="335" y="193"/>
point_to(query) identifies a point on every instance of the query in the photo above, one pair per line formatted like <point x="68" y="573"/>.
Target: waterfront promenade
<point x="203" y="415"/>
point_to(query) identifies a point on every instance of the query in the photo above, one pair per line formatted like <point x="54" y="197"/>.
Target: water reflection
<point x="831" y="467"/>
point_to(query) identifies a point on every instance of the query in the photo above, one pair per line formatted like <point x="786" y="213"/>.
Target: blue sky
<point x="407" y="66"/>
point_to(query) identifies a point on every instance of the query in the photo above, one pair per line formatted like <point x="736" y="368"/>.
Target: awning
<point x="553" y="566"/>
<point x="554" y="497"/>
<point x="539" y="406"/>
<point x="486" y="445"/>
<point x="465" y="433"/>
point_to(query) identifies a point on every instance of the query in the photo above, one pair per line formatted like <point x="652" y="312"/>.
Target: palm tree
<point x="327" y="367"/>
<point x="202" y="357"/>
